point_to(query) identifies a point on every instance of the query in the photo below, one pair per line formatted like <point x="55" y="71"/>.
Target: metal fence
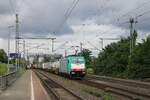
<point x="6" y="80"/>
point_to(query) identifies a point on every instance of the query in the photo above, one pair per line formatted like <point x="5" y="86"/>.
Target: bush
<point x="3" y="69"/>
<point x="90" y="71"/>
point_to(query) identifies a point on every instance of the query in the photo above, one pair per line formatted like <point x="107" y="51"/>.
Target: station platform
<point x="26" y="87"/>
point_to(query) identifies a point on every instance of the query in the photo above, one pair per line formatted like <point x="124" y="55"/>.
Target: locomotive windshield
<point x="77" y="61"/>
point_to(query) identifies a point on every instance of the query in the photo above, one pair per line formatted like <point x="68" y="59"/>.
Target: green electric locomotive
<point x="72" y="66"/>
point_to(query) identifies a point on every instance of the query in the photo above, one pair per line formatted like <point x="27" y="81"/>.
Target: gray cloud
<point x="5" y="9"/>
<point x="44" y="17"/>
<point x="41" y="17"/>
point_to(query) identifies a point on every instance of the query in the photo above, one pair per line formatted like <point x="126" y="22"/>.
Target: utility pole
<point x="8" y="49"/>
<point x="9" y="34"/>
<point x="53" y="44"/>
<point x="24" y="53"/>
<point x="17" y="40"/>
<point x="101" y="43"/>
<point x="28" y="57"/>
<point x="24" y="48"/>
<point x="131" y="21"/>
<point x="17" y="33"/>
<point x="65" y="52"/>
<point x="81" y="46"/>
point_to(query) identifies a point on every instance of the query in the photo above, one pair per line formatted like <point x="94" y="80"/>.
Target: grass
<point x="97" y="93"/>
<point x="90" y="71"/>
<point x="3" y="69"/>
<point x="93" y="92"/>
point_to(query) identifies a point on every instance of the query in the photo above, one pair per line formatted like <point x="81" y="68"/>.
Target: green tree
<point x="139" y="62"/>
<point x="113" y="60"/>
<point x="47" y="59"/>
<point x="36" y="59"/>
<point x="134" y="37"/>
<point x="3" y="56"/>
<point x="87" y="55"/>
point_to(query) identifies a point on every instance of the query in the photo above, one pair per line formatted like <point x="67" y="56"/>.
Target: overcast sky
<point x="88" y="21"/>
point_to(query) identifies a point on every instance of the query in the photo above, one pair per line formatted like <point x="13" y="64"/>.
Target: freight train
<point x="72" y="66"/>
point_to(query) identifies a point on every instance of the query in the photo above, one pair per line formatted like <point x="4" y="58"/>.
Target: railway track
<point x="125" y="90"/>
<point x="133" y="83"/>
<point x="56" y="90"/>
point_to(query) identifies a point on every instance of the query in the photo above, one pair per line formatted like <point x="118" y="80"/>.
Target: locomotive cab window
<point x="78" y="61"/>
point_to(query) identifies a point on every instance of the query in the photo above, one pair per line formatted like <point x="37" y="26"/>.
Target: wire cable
<point x="69" y="8"/>
<point x="12" y="7"/>
<point x="93" y="45"/>
<point x="67" y="14"/>
<point x="140" y="15"/>
<point x="140" y="6"/>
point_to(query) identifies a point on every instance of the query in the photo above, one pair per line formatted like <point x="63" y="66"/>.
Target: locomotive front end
<point x="78" y="68"/>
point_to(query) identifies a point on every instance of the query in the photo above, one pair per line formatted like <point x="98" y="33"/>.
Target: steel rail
<point x="68" y="90"/>
<point x="48" y="88"/>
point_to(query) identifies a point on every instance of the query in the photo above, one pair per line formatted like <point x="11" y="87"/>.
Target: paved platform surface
<point x="27" y="87"/>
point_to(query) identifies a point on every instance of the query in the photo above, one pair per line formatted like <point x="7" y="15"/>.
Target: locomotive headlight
<point x="83" y="72"/>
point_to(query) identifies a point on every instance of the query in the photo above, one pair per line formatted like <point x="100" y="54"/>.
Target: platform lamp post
<point x="9" y="34"/>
